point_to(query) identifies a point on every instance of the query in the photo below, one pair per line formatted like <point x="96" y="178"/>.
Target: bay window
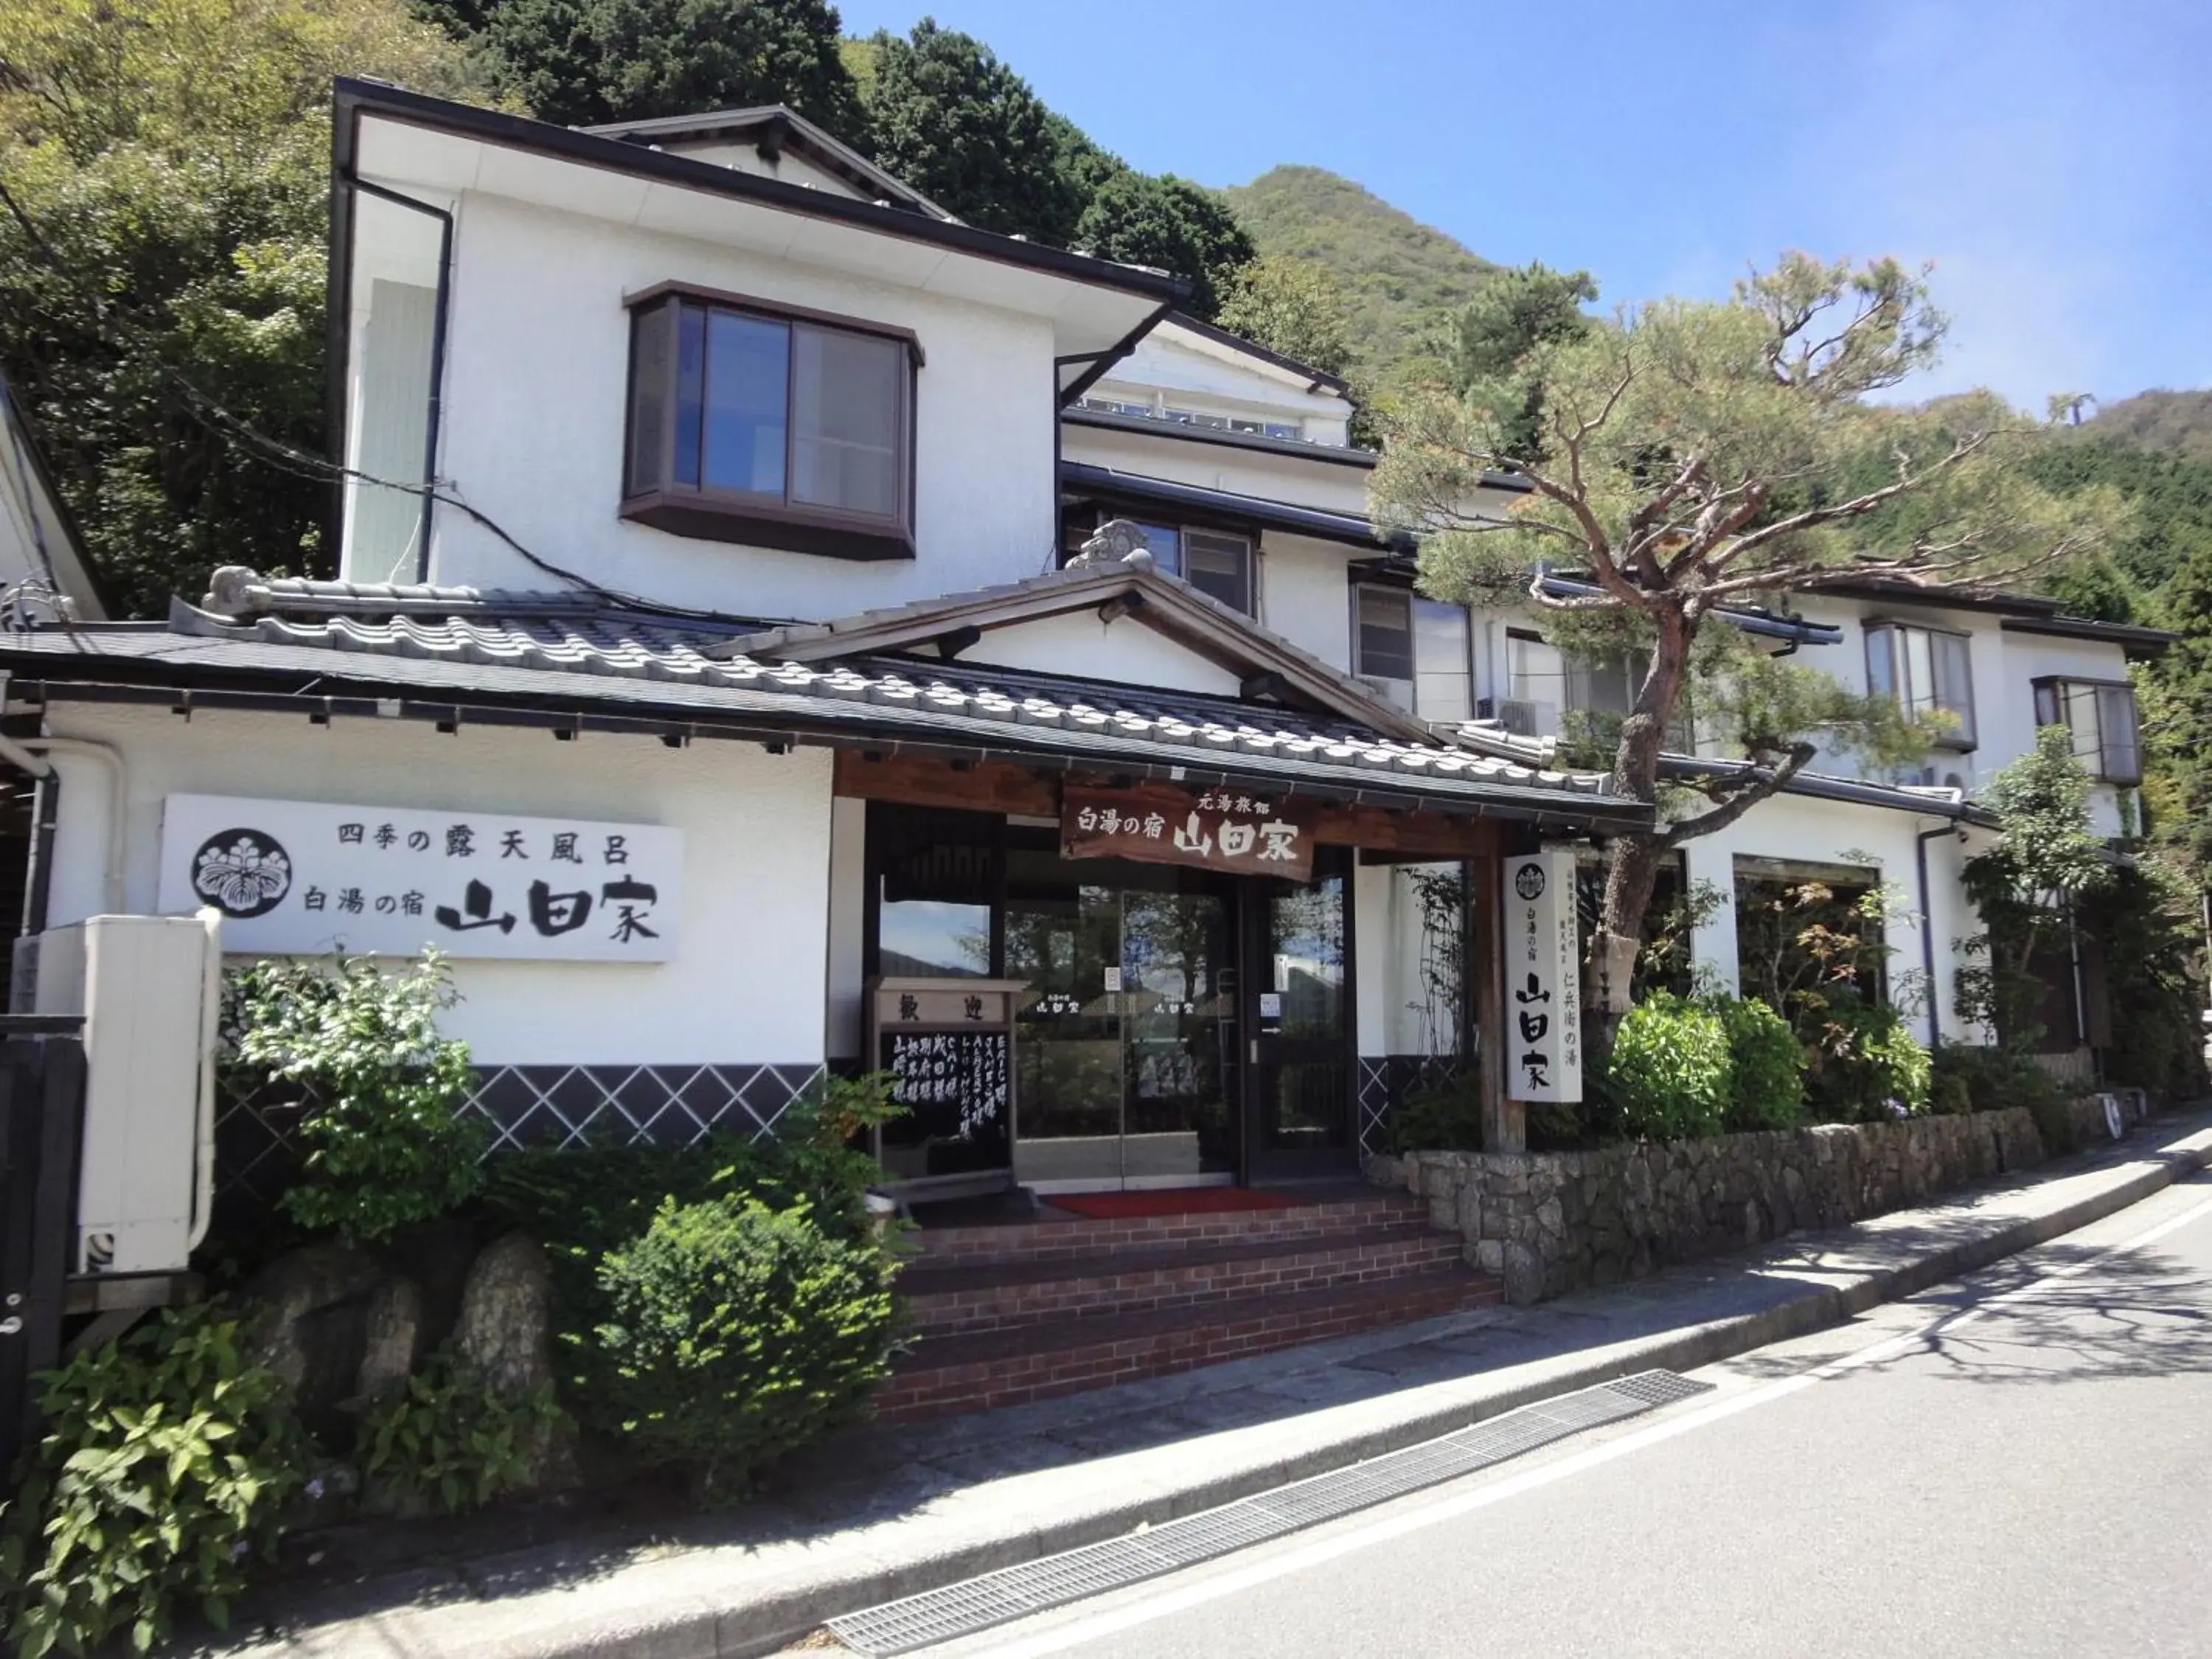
<point x="768" y="425"/>
<point x="2100" y="716"/>
<point x="1928" y="673"/>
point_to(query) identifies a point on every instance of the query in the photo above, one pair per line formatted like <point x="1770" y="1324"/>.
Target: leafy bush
<point x="379" y="1088"/>
<point x="451" y="1441"/>
<point x="168" y="1460"/>
<point x="1766" y="1068"/>
<point x="737" y="1332"/>
<point x="1669" y="1074"/>
<point x="1443" y="1116"/>
<point x="1966" y="1077"/>
<point x="1864" y="1064"/>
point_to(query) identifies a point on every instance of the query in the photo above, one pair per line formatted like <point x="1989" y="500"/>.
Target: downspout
<point x="31" y="755"/>
<point x="435" y="415"/>
<point x="1928" y="932"/>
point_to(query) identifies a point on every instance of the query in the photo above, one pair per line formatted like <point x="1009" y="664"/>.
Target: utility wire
<point x="288" y="457"/>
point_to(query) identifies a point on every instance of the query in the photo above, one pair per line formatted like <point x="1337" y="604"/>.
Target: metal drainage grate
<point x="1011" y="1593"/>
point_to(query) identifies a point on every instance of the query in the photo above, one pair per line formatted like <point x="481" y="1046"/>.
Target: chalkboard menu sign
<point x="948" y="1045"/>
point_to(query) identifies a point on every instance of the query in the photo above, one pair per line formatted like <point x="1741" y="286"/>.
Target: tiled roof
<point x="453" y="644"/>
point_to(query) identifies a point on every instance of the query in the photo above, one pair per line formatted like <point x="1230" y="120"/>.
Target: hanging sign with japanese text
<point x="1237" y="830"/>
<point x="307" y="877"/>
<point x="1543" y="979"/>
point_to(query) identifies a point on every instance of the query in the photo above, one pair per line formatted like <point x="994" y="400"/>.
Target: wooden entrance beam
<point x="1002" y="786"/>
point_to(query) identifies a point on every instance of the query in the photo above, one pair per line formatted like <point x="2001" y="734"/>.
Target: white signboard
<point x="305" y="877"/>
<point x="1543" y="979"/>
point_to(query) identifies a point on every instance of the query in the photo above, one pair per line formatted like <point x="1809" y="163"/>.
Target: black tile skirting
<point x="255" y="1153"/>
<point x="1386" y="1079"/>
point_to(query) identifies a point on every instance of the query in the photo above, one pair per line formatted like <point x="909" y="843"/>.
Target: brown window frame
<point x="708" y="513"/>
<point x="1886" y="633"/>
<point x="2051" y="699"/>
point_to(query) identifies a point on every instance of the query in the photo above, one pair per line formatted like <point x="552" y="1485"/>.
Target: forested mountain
<point x="1396" y="272"/>
<point x="2177" y="423"/>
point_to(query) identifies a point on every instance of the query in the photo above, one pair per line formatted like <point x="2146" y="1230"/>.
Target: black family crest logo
<point x="1528" y="881"/>
<point x="242" y="872"/>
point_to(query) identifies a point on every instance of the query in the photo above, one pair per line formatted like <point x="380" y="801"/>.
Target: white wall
<point x="1305" y="596"/>
<point x="1079" y="643"/>
<point x="746" y="984"/>
<point x="1331" y="486"/>
<point x="532" y="430"/>
<point x="1839" y="832"/>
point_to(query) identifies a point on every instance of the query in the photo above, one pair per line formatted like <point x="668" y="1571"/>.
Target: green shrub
<point x="736" y="1333"/>
<point x="452" y="1442"/>
<point x="1864" y="1065"/>
<point x="1668" y="1075"/>
<point x="379" y="1089"/>
<point x="1440" y="1117"/>
<point x="1766" y="1068"/>
<point x="167" y="1461"/>
<point x="1968" y="1077"/>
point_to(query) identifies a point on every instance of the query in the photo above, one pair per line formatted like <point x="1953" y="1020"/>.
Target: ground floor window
<point x="1807" y="931"/>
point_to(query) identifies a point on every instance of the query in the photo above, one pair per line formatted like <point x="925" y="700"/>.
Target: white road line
<point x="1448" y="1509"/>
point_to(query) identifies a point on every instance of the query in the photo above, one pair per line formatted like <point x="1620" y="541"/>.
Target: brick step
<point x="945" y="1375"/>
<point x="942" y="1300"/>
<point x="1055" y="1237"/>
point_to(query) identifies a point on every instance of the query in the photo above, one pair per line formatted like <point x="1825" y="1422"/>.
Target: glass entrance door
<point x="1125" y="1042"/>
<point x="1298" y="1087"/>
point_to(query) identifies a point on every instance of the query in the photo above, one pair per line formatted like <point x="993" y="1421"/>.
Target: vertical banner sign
<point x="1543" y="979"/>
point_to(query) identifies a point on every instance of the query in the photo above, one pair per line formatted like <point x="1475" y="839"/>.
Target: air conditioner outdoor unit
<point x="148" y="989"/>
<point x="1519" y="716"/>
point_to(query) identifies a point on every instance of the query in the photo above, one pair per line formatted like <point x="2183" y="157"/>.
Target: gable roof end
<point x="772" y="127"/>
<point x="1160" y="601"/>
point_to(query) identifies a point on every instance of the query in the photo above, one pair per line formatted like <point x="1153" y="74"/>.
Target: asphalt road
<point x="2020" y="1464"/>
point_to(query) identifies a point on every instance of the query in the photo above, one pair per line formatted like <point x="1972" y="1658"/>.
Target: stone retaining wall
<point x="1552" y="1222"/>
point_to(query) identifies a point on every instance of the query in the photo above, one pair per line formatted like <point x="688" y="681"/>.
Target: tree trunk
<point x="1632" y="867"/>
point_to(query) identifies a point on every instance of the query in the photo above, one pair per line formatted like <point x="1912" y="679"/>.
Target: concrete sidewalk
<point x="888" y="1513"/>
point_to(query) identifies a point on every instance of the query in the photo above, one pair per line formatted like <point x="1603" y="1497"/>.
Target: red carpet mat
<point x="1187" y="1201"/>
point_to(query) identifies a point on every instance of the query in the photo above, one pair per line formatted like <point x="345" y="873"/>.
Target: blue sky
<point x="2053" y="158"/>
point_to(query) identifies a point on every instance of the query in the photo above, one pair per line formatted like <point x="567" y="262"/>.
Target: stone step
<point x="946" y="1375"/>
<point x="960" y="1296"/>
<point x="1052" y="1236"/>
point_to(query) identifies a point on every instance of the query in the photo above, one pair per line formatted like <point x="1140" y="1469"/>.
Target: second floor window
<point x="755" y="425"/>
<point x="1544" y="685"/>
<point x="1414" y="651"/>
<point x="1928" y="673"/>
<point x="2101" y="715"/>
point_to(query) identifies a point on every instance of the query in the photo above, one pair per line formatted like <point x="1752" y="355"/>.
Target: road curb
<point x="710" y="1622"/>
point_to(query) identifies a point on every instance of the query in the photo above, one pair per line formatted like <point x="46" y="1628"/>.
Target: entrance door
<point x="1297" y="1088"/>
<point x="1126" y="1041"/>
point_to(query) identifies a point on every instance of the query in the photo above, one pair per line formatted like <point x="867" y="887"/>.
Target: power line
<point x="290" y="458"/>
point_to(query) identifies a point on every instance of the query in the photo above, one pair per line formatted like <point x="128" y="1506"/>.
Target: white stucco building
<point x="715" y="635"/>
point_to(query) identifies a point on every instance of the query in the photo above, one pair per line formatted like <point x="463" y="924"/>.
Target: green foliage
<point x="1668" y="1072"/>
<point x="586" y="62"/>
<point x="1864" y="1064"/>
<point x="2144" y="921"/>
<point x="452" y="1441"/>
<point x="1294" y="307"/>
<point x="737" y="1334"/>
<point x="168" y="1460"/>
<point x="1766" y="1066"/>
<point x="2027" y="887"/>
<point x="1398" y="276"/>
<point x="1171" y="224"/>
<point x="1971" y="1077"/>
<point x="951" y="120"/>
<point x="380" y="1088"/>
<point x="2177" y="423"/>
<point x="1440" y="1116"/>
<point x="587" y="1203"/>
<point x="177" y="263"/>
<point x="1682" y="1068"/>
<point x="1510" y="312"/>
